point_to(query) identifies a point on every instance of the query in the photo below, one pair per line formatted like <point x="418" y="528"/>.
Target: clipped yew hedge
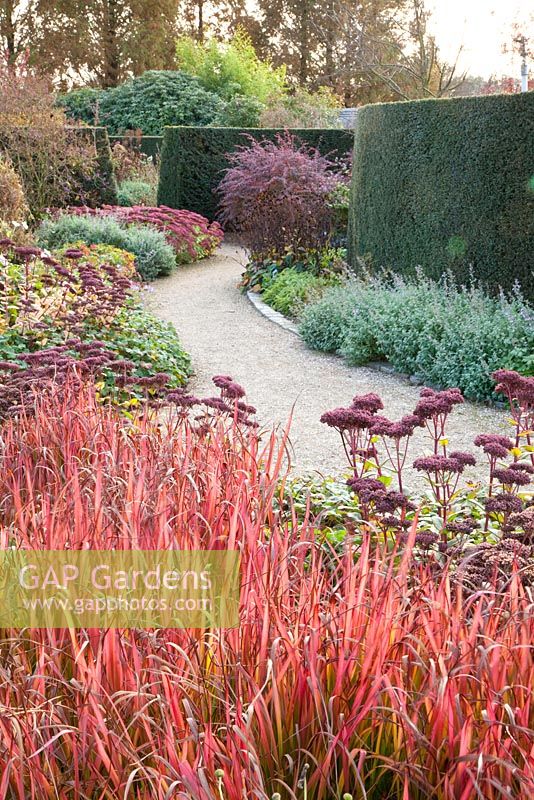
<point x="193" y="160"/>
<point x="447" y="185"/>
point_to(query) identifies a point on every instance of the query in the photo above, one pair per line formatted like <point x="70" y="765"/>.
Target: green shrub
<point x="231" y="69"/>
<point x="480" y="338"/>
<point x="81" y="104"/>
<point x="153" y="256"/>
<point x="155" y="99"/>
<point x="446" y="335"/>
<point x="447" y="185"/>
<point x="136" y="193"/>
<point x="239" y="112"/>
<point x="324" y="324"/>
<point x="291" y="290"/>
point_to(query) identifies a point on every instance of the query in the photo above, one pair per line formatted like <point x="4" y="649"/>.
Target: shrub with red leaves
<point x="275" y="194"/>
<point x="190" y="235"/>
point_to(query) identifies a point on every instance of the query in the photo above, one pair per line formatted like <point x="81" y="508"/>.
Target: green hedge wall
<point x="149" y="145"/>
<point x="193" y="160"/>
<point x="106" y="168"/>
<point x="447" y="185"/>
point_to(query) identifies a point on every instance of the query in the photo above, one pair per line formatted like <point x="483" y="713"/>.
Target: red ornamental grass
<point x="350" y="673"/>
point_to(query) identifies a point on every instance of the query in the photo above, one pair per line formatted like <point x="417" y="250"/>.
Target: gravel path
<point x="225" y="334"/>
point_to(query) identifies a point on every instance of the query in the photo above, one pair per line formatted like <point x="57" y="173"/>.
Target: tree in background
<point x="361" y="50"/>
<point x="345" y="31"/>
<point x="232" y="68"/>
<point x="17" y="27"/>
<point x="364" y="50"/>
<point x="203" y="20"/>
<point x="419" y="70"/>
<point x="291" y="27"/>
<point x="387" y="45"/>
<point x="96" y="42"/>
<point x="516" y="41"/>
<point x="192" y="18"/>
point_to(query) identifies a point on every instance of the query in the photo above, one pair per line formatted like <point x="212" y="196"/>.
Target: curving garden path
<point x="224" y="333"/>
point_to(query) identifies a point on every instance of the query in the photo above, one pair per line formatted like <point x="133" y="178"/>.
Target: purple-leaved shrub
<point x="275" y="196"/>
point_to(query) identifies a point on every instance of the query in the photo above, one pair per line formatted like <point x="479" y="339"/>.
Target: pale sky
<point x="483" y="26"/>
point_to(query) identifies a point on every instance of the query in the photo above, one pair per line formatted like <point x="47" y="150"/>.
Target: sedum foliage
<point x="153" y="255"/>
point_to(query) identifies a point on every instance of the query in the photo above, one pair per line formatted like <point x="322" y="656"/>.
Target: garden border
<point x="285" y="323"/>
<point x="288" y="325"/>
<point x="271" y="314"/>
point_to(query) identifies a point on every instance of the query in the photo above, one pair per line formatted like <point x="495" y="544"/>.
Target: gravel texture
<point x="225" y="333"/>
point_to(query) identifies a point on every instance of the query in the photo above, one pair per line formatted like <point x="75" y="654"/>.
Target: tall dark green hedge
<point x="447" y="185"/>
<point x="193" y="160"/>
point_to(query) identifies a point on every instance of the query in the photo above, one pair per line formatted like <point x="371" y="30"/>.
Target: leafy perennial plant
<point x="377" y="450"/>
<point x="153" y="255"/>
<point x="190" y="235"/>
<point x="445" y="334"/>
<point x="79" y="305"/>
